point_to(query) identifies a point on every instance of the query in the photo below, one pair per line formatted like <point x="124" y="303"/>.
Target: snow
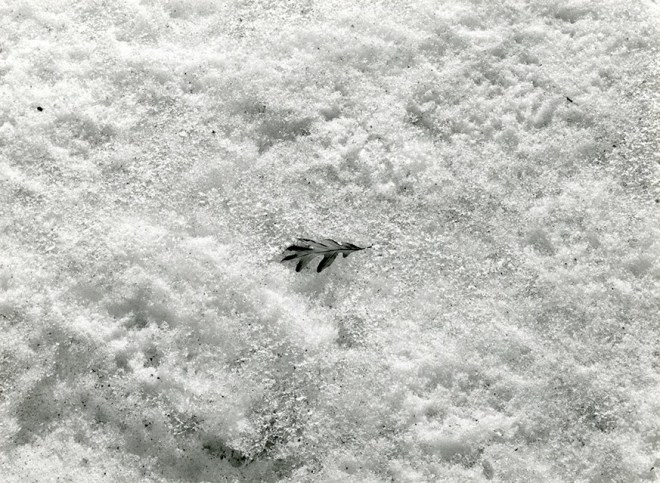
<point x="156" y="157"/>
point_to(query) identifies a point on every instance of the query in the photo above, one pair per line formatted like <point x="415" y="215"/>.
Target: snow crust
<point x="157" y="156"/>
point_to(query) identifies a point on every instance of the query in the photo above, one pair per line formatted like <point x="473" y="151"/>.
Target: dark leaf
<point x="330" y="243"/>
<point x="311" y="242"/>
<point x="326" y="262"/>
<point x="304" y="261"/>
<point x="306" y="250"/>
<point x="295" y="248"/>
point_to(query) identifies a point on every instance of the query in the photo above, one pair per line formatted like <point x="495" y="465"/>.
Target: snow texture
<point x="156" y="156"/>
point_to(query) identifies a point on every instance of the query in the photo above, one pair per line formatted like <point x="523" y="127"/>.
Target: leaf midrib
<point x="336" y="250"/>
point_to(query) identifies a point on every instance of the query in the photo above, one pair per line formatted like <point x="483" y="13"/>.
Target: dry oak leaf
<point x="306" y="250"/>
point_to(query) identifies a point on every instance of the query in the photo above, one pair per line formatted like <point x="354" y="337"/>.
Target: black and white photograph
<point x="329" y="241"/>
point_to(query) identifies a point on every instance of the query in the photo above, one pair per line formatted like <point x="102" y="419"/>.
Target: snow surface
<point x="157" y="156"/>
